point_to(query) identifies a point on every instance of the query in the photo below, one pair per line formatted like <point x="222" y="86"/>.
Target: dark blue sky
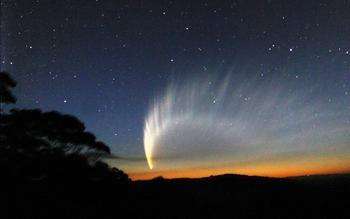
<point x="103" y="61"/>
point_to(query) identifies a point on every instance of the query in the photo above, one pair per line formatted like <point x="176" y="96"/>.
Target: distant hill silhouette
<point x="225" y="196"/>
<point x="239" y="196"/>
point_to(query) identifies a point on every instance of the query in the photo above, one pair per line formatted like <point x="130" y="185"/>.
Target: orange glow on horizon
<point x="279" y="168"/>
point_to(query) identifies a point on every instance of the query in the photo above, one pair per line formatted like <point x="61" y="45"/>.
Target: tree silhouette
<point x="49" y="130"/>
<point x="50" y="163"/>
<point x="6" y="84"/>
<point x="35" y="142"/>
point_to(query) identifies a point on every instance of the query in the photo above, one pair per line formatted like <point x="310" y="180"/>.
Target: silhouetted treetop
<point x="39" y="145"/>
<point x="50" y="130"/>
<point x="6" y="84"/>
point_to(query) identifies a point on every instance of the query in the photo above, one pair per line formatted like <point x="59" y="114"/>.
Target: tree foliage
<point x="45" y="131"/>
<point x="6" y="84"/>
<point x="36" y="143"/>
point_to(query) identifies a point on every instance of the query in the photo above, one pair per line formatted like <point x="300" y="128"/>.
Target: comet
<point x="155" y="125"/>
<point x="201" y="119"/>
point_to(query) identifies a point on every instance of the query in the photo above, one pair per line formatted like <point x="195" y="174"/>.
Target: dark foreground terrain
<point x="225" y="196"/>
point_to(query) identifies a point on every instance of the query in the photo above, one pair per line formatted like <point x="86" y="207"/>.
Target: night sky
<point x="110" y="62"/>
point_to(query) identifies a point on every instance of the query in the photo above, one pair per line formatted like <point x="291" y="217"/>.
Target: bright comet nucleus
<point x="148" y="145"/>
